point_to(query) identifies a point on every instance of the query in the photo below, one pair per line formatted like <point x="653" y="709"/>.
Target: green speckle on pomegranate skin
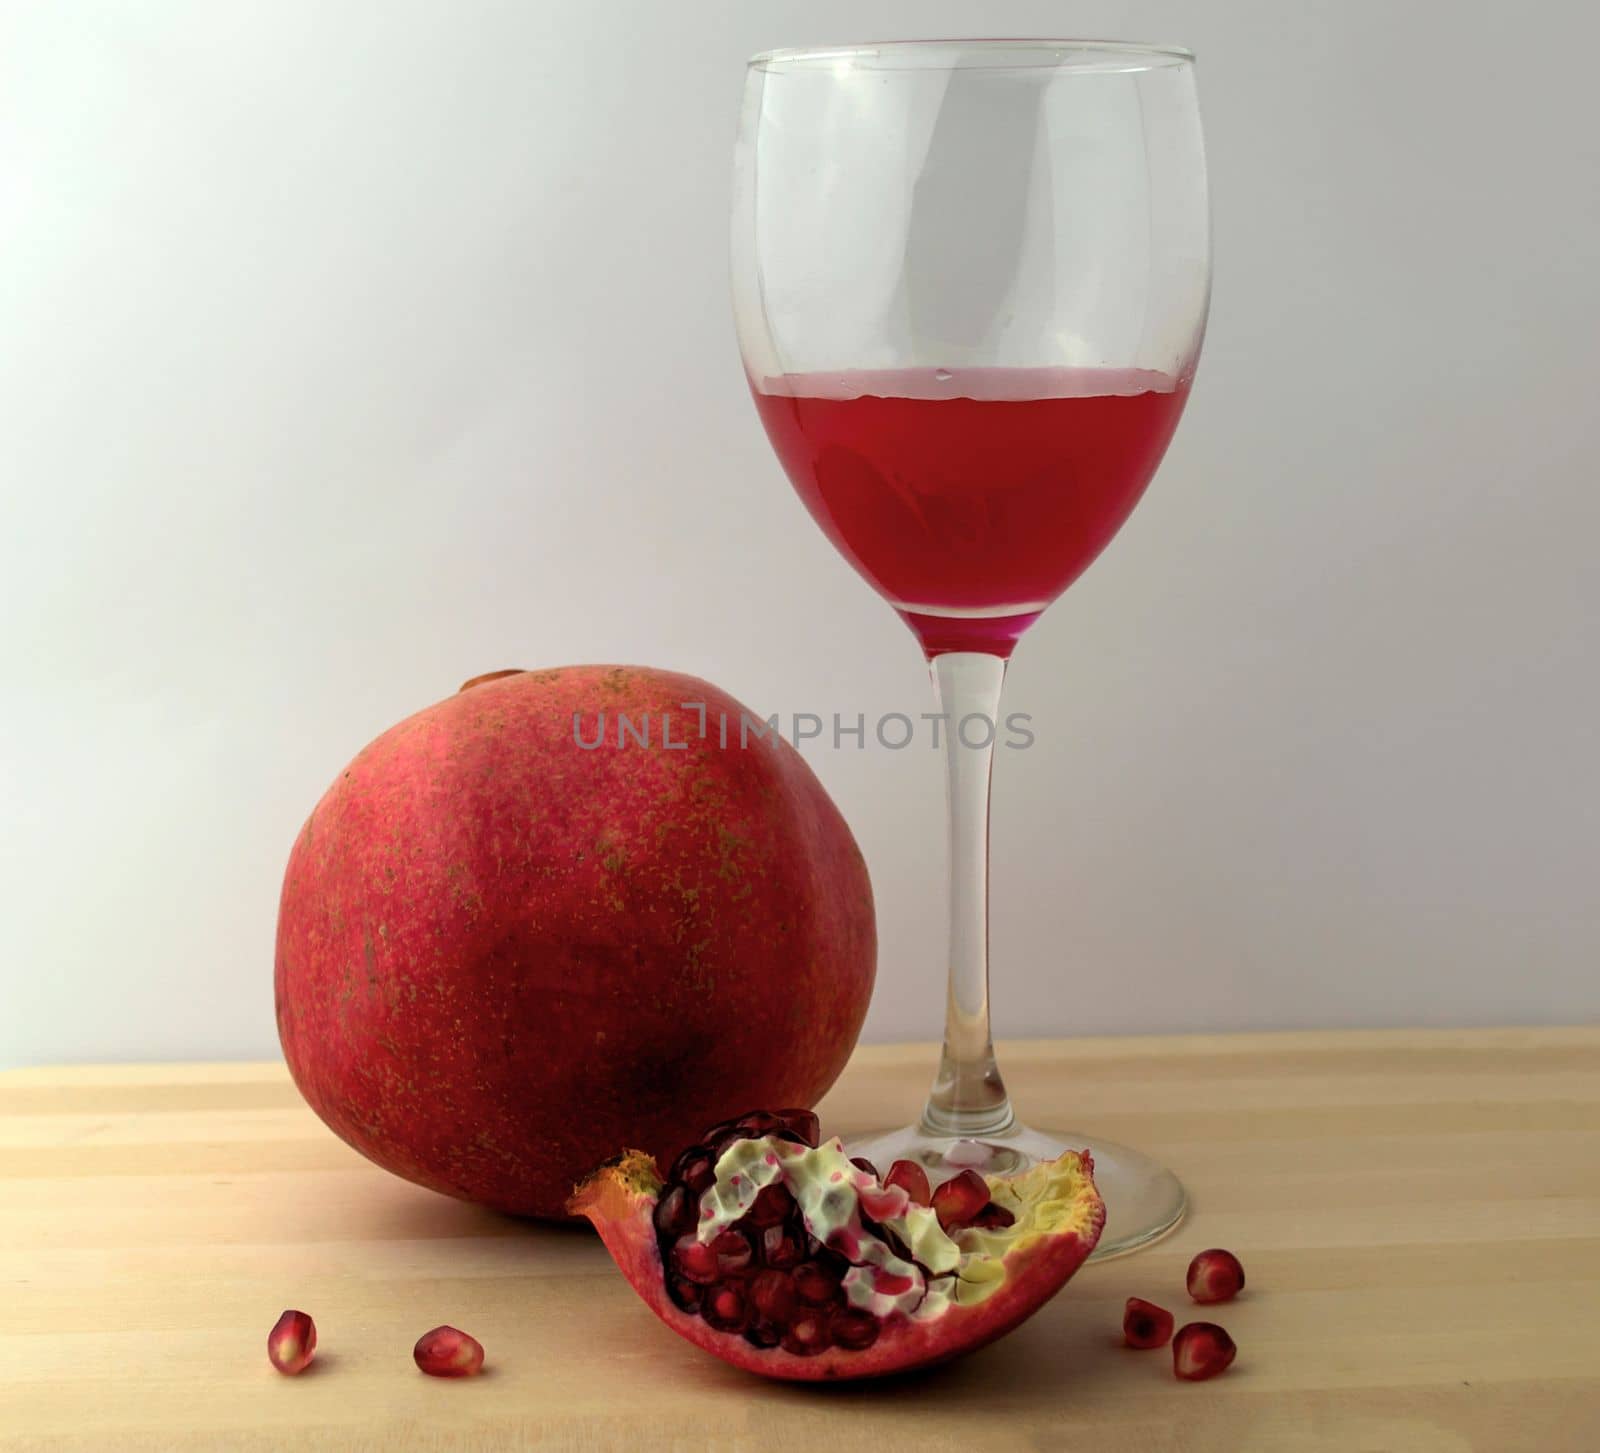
<point x="501" y="957"/>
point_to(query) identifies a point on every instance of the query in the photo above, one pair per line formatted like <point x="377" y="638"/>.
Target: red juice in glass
<point x="970" y="499"/>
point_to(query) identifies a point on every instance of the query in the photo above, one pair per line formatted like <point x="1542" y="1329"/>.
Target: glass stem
<point x="968" y="1097"/>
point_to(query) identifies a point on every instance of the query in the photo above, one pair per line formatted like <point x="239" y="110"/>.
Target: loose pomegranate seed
<point x="695" y="1170"/>
<point x="726" y="1308"/>
<point x="815" y="1283"/>
<point x="782" y="1247"/>
<point x="807" y="1334"/>
<point x="1202" y="1350"/>
<point x="912" y="1179"/>
<point x="732" y="1251"/>
<point x="772" y="1295"/>
<point x="853" y="1328"/>
<point x="860" y="1162"/>
<point x="771" y="1207"/>
<point x="800" y="1123"/>
<point x="448" y="1352"/>
<point x="694" y="1261"/>
<point x="1145" y="1325"/>
<point x="959" y="1199"/>
<point x="292" y="1343"/>
<point x="676" y="1213"/>
<point x="1215" y="1276"/>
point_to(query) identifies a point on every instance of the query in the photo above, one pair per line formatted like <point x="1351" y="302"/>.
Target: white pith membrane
<point x="832" y="1193"/>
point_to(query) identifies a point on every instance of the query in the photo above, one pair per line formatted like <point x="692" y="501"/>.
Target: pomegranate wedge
<point x="784" y="1257"/>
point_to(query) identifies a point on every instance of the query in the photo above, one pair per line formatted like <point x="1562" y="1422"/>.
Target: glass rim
<point x="1131" y="52"/>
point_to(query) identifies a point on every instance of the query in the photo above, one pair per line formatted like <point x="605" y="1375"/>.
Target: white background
<point x="347" y="350"/>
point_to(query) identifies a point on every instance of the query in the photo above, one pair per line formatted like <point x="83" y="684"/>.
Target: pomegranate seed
<point x="807" y="1334"/>
<point x="993" y="1217"/>
<point x="292" y="1343"/>
<point x="772" y="1295"/>
<point x="762" y="1333"/>
<point x="800" y="1123"/>
<point x="860" y="1162"/>
<point x="880" y="1203"/>
<point x="771" y="1207"/>
<point x="854" y="1328"/>
<point x="732" y="1251"/>
<point x="958" y="1200"/>
<point x="814" y="1283"/>
<point x="716" y="1144"/>
<point x="726" y="1308"/>
<point x="695" y="1170"/>
<point x="684" y="1293"/>
<point x="781" y="1247"/>
<point x="1215" y="1276"/>
<point x="912" y="1179"/>
<point x="448" y="1352"/>
<point x="1145" y="1325"/>
<point x="844" y="1242"/>
<point x="694" y="1261"/>
<point x="1202" y="1350"/>
<point x="676" y="1213"/>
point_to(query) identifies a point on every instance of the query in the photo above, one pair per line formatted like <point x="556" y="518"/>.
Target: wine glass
<point x="970" y="281"/>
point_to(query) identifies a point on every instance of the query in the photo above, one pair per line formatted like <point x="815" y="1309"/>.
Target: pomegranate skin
<point x="501" y="955"/>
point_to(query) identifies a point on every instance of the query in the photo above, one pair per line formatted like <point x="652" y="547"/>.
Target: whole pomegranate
<point x="563" y="911"/>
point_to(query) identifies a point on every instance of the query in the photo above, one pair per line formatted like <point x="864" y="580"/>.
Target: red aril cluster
<point x="765" y="1277"/>
<point x="778" y="1255"/>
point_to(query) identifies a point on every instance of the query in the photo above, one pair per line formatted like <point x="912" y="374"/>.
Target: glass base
<point x="1144" y="1200"/>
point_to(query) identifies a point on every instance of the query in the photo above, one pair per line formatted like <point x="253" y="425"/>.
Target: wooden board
<point x="1419" y="1215"/>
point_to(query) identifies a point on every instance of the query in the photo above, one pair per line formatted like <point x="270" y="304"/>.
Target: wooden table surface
<point x="1418" y="1213"/>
